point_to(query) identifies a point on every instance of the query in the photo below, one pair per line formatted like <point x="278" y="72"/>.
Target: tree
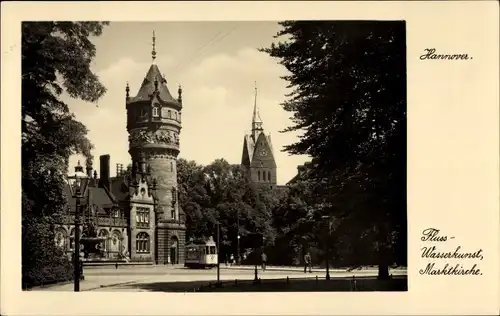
<point x="193" y="197"/>
<point x="220" y="192"/>
<point x="56" y="58"/>
<point x="349" y="98"/>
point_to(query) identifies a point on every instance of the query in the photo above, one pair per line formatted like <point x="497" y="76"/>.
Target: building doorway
<point x="174" y="250"/>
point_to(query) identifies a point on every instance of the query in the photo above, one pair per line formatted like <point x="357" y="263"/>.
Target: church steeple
<point x="256" y="120"/>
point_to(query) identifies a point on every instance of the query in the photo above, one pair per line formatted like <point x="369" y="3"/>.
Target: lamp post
<point x="238" y="238"/>
<point x="329" y="218"/>
<point x="218" y="254"/>
<point x="75" y="187"/>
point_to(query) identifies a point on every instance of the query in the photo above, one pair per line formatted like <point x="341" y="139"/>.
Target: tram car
<point x="201" y="254"/>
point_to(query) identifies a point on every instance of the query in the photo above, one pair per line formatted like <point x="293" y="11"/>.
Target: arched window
<point x="171" y="167"/>
<point x="269" y="176"/>
<point x="142" y="242"/>
<point x="169" y="114"/>
<point x="263" y="176"/>
<point x="175" y="115"/>
<point x="104" y="242"/>
<point x="156" y="113"/>
<point x="258" y="175"/>
<point x="116" y="241"/>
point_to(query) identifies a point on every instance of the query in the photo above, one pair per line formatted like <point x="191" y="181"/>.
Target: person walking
<point x="231" y="260"/>
<point x="307" y="262"/>
<point x="264" y="261"/>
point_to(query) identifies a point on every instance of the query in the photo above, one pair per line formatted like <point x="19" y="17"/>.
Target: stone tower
<point x="258" y="156"/>
<point x="154" y="124"/>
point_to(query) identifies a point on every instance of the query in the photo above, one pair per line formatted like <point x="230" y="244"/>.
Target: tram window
<point x="212" y="250"/>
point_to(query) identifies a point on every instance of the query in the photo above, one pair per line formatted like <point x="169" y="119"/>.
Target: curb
<point x="47" y="286"/>
<point x="102" y="286"/>
<point x="35" y="288"/>
<point x="272" y="269"/>
<point x="120" y="264"/>
<point x="294" y="270"/>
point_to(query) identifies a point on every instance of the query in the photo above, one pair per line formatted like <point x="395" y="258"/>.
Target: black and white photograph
<point x="214" y="156"/>
<point x="250" y="158"/>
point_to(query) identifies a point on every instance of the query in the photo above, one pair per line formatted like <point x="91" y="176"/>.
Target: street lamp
<point x="329" y="218"/>
<point x="218" y="254"/>
<point x="75" y="187"/>
<point x="238" y="238"/>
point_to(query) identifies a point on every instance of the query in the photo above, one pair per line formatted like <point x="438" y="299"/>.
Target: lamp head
<point x="75" y="181"/>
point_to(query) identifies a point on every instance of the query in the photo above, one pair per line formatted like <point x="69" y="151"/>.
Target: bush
<point x="42" y="261"/>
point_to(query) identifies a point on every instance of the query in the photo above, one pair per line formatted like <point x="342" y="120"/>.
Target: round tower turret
<point x="154" y="126"/>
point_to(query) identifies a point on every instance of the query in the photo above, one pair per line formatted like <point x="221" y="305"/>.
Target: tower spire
<point x="256" y="120"/>
<point x="255" y="103"/>
<point x="153" y="52"/>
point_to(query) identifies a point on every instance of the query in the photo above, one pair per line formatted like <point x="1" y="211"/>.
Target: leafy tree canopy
<point x="56" y="58"/>
<point x="220" y="192"/>
<point x="349" y="98"/>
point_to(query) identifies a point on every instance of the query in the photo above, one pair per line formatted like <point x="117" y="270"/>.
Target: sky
<point x="217" y="64"/>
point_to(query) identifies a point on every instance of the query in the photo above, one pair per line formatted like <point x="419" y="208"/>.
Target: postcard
<point x="248" y="158"/>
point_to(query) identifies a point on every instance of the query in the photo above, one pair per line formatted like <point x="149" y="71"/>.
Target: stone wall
<point x="167" y="231"/>
<point x="161" y="244"/>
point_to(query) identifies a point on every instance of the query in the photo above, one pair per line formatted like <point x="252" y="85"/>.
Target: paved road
<point x="170" y="278"/>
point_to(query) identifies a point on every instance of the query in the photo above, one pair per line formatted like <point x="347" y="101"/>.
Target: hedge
<point x="42" y="262"/>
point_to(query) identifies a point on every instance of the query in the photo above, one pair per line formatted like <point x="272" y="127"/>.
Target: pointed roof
<point x="256" y="120"/>
<point x="148" y="87"/>
<point x="152" y="81"/>
<point x="262" y="142"/>
<point x="256" y="115"/>
<point x="250" y="146"/>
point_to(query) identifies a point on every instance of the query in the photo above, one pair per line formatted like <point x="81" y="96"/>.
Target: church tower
<point x="154" y="125"/>
<point x="258" y="156"/>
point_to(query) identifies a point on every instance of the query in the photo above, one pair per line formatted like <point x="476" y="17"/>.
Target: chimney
<point x="104" y="179"/>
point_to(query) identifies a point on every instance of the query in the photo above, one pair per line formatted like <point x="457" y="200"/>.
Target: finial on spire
<point x="127" y="90"/>
<point x="179" y="93"/>
<point x="255" y="98"/>
<point x="153" y="53"/>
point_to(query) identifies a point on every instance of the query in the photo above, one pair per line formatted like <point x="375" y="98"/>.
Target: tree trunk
<point x="383" y="272"/>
